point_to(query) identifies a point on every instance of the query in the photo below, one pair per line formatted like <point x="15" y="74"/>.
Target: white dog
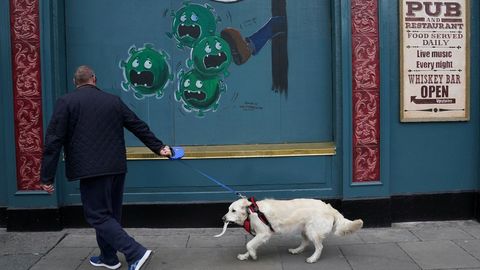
<point x="314" y="219"/>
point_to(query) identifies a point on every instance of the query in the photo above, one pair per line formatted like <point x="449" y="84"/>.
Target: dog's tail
<point x="345" y="226"/>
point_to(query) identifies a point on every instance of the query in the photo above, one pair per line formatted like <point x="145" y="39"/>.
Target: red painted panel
<point x="365" y="91"/>
<point x="366" y="125"/>
<point x="365" y="17"/>
<point x="27" y="92"/>
<point x="366" y="163"/>
<point x="365" y="63"/>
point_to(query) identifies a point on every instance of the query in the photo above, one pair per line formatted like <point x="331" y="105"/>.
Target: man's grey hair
<point x="83" y="74"/>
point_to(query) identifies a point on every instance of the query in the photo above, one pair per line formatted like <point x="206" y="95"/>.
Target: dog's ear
<point x="246" y="203"/>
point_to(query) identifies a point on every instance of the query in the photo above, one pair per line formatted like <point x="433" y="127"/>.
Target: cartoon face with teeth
<point x="146" y="72"/>
<point x="199" y="93"/>
<point x="211" y="56"/>
<point x="192" y="22"/>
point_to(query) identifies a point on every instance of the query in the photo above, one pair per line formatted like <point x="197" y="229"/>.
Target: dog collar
<point x="254" y="209"/>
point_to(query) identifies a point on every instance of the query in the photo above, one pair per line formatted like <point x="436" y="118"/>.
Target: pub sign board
<point x="434" y="59"/>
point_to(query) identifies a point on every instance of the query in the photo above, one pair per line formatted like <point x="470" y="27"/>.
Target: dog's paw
<point x="294" y="251"/>
<point x="242" y="257"/>
<point x="253" y="256"/>
<point x="311" y="260"/>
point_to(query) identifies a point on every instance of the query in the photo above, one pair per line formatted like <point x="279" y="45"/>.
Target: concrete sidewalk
<point x="424" y="245"/>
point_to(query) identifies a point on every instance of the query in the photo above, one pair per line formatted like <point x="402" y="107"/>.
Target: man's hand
<point x="166" y="151"/>
<point x="48" y="188"/>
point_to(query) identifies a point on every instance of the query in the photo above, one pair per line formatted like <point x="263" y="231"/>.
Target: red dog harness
<point x="254" y="209"/>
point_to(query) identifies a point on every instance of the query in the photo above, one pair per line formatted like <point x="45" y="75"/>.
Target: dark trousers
<point x="102" y="199"/>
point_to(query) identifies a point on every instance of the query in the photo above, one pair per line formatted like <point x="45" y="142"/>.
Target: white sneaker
<point x="138" y="264"/>
<point x="96" y="261"/>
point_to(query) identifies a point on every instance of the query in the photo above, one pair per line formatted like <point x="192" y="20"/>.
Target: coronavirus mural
<point x="199" y="93"/>
<point x="210" y="53"/>
<point x="211" y="56"/>
<point x="191" y="23"/>
<point x="199" y="88"/>
<point x="146" y="72"/>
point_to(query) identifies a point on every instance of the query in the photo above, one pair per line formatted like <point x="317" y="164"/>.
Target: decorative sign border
<point x="434" y="61"/>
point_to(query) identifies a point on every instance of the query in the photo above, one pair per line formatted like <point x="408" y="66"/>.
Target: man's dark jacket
<point x="89" y="124"/>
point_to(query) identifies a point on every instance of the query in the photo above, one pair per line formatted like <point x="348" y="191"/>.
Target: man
<point x="89" y="124"/>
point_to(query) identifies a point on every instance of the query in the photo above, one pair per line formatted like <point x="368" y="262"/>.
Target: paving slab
<point x="417" y="245"/>
<point x="208" y="241"/>
<point x="183" y="231"/>
<point x="156" y="241"/>
<point x="292" y="241"/>
<point x="79" y="240"/>
<point x="211" y="259"/>
<point x="28" y="243"/>
<point x="18" y="261"/>
<point x="473" y="230"/>
<point x="331" y="259"/>
<point x="386" y="235"/>
<point x="439" y="255"/>
<point x="63" y="258"/>
<point x="432" y="234"/>
<point x="471" y="246"/>
<point x="351" y="239"/>
<point x="378" y="257"/>
<point x="434" y="224"/>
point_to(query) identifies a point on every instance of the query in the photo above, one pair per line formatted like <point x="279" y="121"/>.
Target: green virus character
<point x="211" y="56"/>
<point x="199" y="93"/>
<point x="192" y="22"/>
<point x="146" y="72"/>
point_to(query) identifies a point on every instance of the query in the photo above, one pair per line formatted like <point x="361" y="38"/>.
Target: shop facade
<point x="320" y="105"/>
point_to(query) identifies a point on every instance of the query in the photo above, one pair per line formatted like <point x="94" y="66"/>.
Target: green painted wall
<point x="306" y="117"/>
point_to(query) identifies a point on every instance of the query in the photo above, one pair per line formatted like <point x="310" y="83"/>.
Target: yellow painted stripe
<point x="242" y="151"/>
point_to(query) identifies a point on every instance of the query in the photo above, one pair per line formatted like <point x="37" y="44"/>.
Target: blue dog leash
<point x="178" y="153"/>
<point x="214" y="180"/>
